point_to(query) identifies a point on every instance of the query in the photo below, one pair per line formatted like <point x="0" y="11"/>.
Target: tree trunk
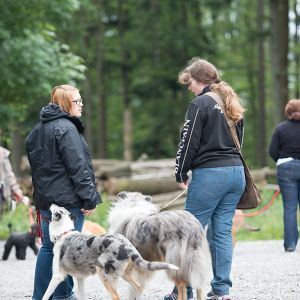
<point x="127" y="116"/>
<point x="17" y="149"/>
<point x="279" y="51"/>
<point x="296" y="51"/>
<point x="88" y="108"/>
<point x="101" y="107"/>
<point x="261" y="132"/>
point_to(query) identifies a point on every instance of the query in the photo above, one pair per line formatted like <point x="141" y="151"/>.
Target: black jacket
<point x="206" y="141"/>
<point x="286" y="140"/>
<point x="62" y="171"/>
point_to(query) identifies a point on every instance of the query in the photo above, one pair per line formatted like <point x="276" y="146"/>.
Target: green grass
<point x="270" y="222"/>
<point x="20" y="218"/>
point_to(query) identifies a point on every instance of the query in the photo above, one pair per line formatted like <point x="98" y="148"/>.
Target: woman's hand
<point x="88" y="212"/>
<point x="183" y="185"/>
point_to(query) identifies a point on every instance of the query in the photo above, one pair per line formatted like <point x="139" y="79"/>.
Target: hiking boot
<point x="174" y="294"/>
<point x="212" y="296"/>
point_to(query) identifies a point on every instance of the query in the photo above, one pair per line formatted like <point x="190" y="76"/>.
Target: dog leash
<point x="169" y="203"/>
<point x="266" y="207"/>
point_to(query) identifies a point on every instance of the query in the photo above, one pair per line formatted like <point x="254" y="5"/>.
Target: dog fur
<point x="239" y="222"/>
<point x="81" y="255"/>
<point x="21" y="240"/>
<point x="172" y="236"/>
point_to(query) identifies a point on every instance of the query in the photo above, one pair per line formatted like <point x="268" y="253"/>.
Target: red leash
<point x="267" y="206"/>
<point x="39" y="232"/>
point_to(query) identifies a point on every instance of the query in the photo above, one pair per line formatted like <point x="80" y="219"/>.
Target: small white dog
<point x="81" y="255"/>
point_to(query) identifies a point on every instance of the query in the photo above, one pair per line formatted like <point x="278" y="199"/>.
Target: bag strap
<point x="231" y="124"/>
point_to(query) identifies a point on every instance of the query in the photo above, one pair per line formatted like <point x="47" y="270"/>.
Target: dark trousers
<point x="288" y="175"/>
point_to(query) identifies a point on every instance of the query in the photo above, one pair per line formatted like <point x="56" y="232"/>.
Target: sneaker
<point x="212" y="296"/>
<point x="174" y="294"/>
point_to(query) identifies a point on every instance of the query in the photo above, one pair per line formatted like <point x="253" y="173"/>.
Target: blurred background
<point x="125" y="57"/>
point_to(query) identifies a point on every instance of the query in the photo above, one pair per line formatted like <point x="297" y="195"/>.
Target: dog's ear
<point x="73" y="217"/>
<point x="122" y="195"/>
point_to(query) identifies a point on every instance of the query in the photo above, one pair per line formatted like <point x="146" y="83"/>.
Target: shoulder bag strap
<point x="230" y="123"/>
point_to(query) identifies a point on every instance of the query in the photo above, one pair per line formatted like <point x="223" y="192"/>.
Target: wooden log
<point x="147" y="186"/>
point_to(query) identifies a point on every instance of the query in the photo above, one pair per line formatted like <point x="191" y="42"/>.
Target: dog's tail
<point x="145" y="265"/>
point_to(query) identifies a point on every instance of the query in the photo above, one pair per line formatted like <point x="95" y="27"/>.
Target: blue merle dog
<point x="110" y="256"/>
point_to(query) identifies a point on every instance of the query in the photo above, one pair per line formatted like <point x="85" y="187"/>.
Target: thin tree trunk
<point x="17" y="149"/>
<point x="261" y="132"/>
<point x="279" y="51"/>
<point x="296" y="51"/>
<point x="88" y="109"/>
<point x="101" y="107"/>
<point x="127" y="115"/>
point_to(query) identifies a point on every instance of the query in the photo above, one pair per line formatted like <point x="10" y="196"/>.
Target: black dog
<point x="21" y="241"/>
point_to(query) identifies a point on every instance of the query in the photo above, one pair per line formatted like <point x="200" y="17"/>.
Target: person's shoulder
<point x="63" y="126"/>
<point x="283" y="124"/>
<point x="203" y="100"/>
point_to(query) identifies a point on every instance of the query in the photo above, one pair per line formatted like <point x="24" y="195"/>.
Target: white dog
<point x="176" y="237"/>
<point x="81" y="255"/>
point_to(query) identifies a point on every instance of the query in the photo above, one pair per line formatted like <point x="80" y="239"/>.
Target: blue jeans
<point x="288" y="175"/>
<point x="43" y="268"/>
<point x="212" y="198"/>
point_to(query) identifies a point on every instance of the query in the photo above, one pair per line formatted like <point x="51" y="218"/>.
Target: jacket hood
<point x="51" y="112"/>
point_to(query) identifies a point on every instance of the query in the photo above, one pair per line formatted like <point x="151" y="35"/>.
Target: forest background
<point x="125" y="57"/>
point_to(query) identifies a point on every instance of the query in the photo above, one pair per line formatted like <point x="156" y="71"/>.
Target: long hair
<point x="292" y="109"/>
<point x="62" y="96"/>
<point x="203" y="71"/>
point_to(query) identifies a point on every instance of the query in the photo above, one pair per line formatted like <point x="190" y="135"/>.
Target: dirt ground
<point x="261" y="270"/>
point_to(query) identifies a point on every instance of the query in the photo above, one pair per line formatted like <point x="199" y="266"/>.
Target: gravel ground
<point x="261" y="270"/>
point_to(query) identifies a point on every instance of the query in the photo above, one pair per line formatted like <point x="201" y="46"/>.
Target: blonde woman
<point x="62" y="173"/>
<point x="207" y="149"/>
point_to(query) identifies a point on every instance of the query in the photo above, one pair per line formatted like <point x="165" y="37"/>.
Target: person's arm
<point x="274" y="146"/>
<point x="189" y="144"/>
<point x="74" y="157"/>
<point x="12" y="180"/>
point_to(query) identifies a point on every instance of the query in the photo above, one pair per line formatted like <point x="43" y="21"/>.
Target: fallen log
<point x="148" y="186"/>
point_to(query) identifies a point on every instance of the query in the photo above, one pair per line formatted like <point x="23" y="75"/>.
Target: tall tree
<point x="125" y="75"/>
<point x="100" y="91"/>
<point x="261" y="132"/>
<point x="279" y="55"/>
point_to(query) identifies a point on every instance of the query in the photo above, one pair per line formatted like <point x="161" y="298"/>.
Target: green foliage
<point x="270" y="222"/>
<point x="32" y="60"/>
<point x="101" y="212"/>
<point x="20" y="218"/>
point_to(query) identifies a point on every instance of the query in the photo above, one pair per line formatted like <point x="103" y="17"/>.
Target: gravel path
<point x="261" y="270"/>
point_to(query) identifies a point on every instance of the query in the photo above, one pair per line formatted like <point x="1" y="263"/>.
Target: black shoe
<point x="289" y="250"/>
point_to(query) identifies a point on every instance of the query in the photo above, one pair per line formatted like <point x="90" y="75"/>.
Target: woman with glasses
<point x="62" y="173"/>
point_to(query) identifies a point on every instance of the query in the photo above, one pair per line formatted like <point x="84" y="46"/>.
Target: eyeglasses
<point x="78" y="101"/>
